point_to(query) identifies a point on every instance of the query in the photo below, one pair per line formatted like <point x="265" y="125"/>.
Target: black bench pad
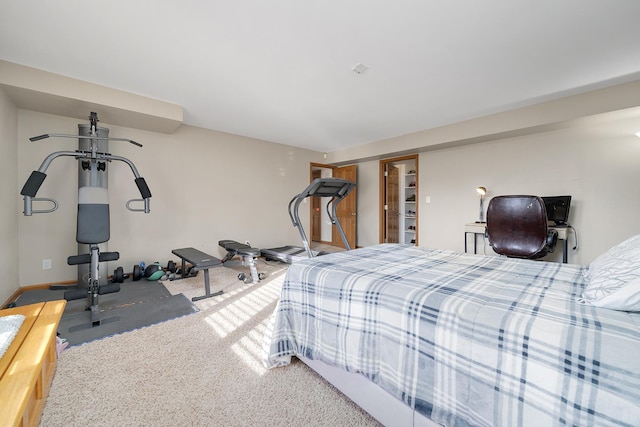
<point x="197" y="258"/>
<point x="239" y="248"/>
<point x="86" y="258"/>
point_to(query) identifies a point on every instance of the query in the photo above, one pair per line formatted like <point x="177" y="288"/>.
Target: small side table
<point x="474" y="228"/>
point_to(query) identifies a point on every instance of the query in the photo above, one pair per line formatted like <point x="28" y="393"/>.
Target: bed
<point x="426" y="337"/>
<point x="28" y="365"/>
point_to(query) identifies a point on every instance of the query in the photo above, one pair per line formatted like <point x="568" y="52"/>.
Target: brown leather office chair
<point x="517" y="227"/>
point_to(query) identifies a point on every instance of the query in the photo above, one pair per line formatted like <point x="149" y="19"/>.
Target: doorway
<point x="399" y="200"/>
<point x="322" y="231"/>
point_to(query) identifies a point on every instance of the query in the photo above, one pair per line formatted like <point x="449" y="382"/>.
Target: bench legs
<point x="207" y="284"/>
<point x="248" y="256"/>
<point x="207" y="289"/>
<point x="250" y="260"/>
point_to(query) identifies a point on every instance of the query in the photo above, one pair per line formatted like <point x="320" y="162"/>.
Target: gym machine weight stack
<point x="92" y="174"/>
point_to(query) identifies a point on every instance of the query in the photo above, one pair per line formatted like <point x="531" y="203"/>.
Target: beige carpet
<point x="202" y="369"/>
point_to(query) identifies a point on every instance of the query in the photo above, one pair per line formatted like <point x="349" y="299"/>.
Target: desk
<point x="476" y="228"/>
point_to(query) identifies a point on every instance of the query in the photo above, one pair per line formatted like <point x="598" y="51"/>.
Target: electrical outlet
<point x="46" y="264"/>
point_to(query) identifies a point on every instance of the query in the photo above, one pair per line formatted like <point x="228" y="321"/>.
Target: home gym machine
<point x="334" y="188"/>
<point x="93" y="224"/>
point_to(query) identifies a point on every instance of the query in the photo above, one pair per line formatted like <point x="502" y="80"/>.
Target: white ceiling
<point x="281" y="70"/>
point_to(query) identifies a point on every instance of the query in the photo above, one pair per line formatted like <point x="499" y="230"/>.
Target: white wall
<point x="596" y="163"/>
<point x="206" y="186"/>
<point x="9" y="203"/>
<point x="209" y="185"/>
<point x="368" y="203"/>
<point x="581" y="145"/>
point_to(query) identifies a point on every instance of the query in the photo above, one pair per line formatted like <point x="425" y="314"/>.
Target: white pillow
<point x="613" y="279"/>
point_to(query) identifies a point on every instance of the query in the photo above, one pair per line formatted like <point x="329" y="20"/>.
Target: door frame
<point x="382" y="191"/>
<point x="313" y="166"/>
<point x="333" y="168"/>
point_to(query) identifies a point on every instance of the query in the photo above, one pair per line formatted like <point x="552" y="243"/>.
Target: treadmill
<point x="335" y="188"/>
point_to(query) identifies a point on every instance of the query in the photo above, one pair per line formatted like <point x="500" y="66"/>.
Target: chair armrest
<point x="552" y="239"/>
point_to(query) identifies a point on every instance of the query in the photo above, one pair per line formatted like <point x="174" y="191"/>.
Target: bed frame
<point x="29" y="364"/>
<point x="381" y="405"/>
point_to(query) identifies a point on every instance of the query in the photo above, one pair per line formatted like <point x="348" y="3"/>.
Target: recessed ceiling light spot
<point x="359" y="68"/>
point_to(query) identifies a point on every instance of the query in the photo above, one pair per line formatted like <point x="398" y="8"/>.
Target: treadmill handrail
<point x="328" y="187"/>
<point x="336" y="222"/>
<point x="335" y="188"/>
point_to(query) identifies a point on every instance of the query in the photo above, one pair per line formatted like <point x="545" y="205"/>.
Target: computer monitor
<point x="557" y="209"/>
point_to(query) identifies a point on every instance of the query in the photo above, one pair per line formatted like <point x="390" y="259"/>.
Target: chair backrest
<point x="517" y="227"/>
<point x="93" y="215"/>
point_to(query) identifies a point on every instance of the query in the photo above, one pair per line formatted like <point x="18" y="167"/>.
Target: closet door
<point x="399" y="200"/>
<point x="392" y="201"/>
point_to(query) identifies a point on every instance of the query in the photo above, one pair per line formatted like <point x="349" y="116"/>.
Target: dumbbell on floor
<point x="119" y="275"/>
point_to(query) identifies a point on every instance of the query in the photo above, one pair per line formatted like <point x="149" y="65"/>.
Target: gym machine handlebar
<point x="36" y="178"/>
<point x="98" y="138"/>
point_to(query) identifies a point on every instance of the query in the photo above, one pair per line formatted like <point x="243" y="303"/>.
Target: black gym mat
<point x="138" y="304"/>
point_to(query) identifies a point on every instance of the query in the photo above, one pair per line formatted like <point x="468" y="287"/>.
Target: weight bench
<point x="200" y="261"/>
<point x="248" y="255"/>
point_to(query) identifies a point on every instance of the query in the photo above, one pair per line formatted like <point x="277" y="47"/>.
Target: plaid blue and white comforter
<point x="464" y="339"/>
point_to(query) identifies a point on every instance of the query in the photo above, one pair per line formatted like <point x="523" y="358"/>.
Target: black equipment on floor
<point x="93" y="226"/>
<point x="334" y="188"/>
<point x="248" y="256"/>
<point x="138" y="304"/>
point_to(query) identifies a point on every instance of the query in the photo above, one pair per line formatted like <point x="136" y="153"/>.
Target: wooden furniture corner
<point x="29" y="364"/>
